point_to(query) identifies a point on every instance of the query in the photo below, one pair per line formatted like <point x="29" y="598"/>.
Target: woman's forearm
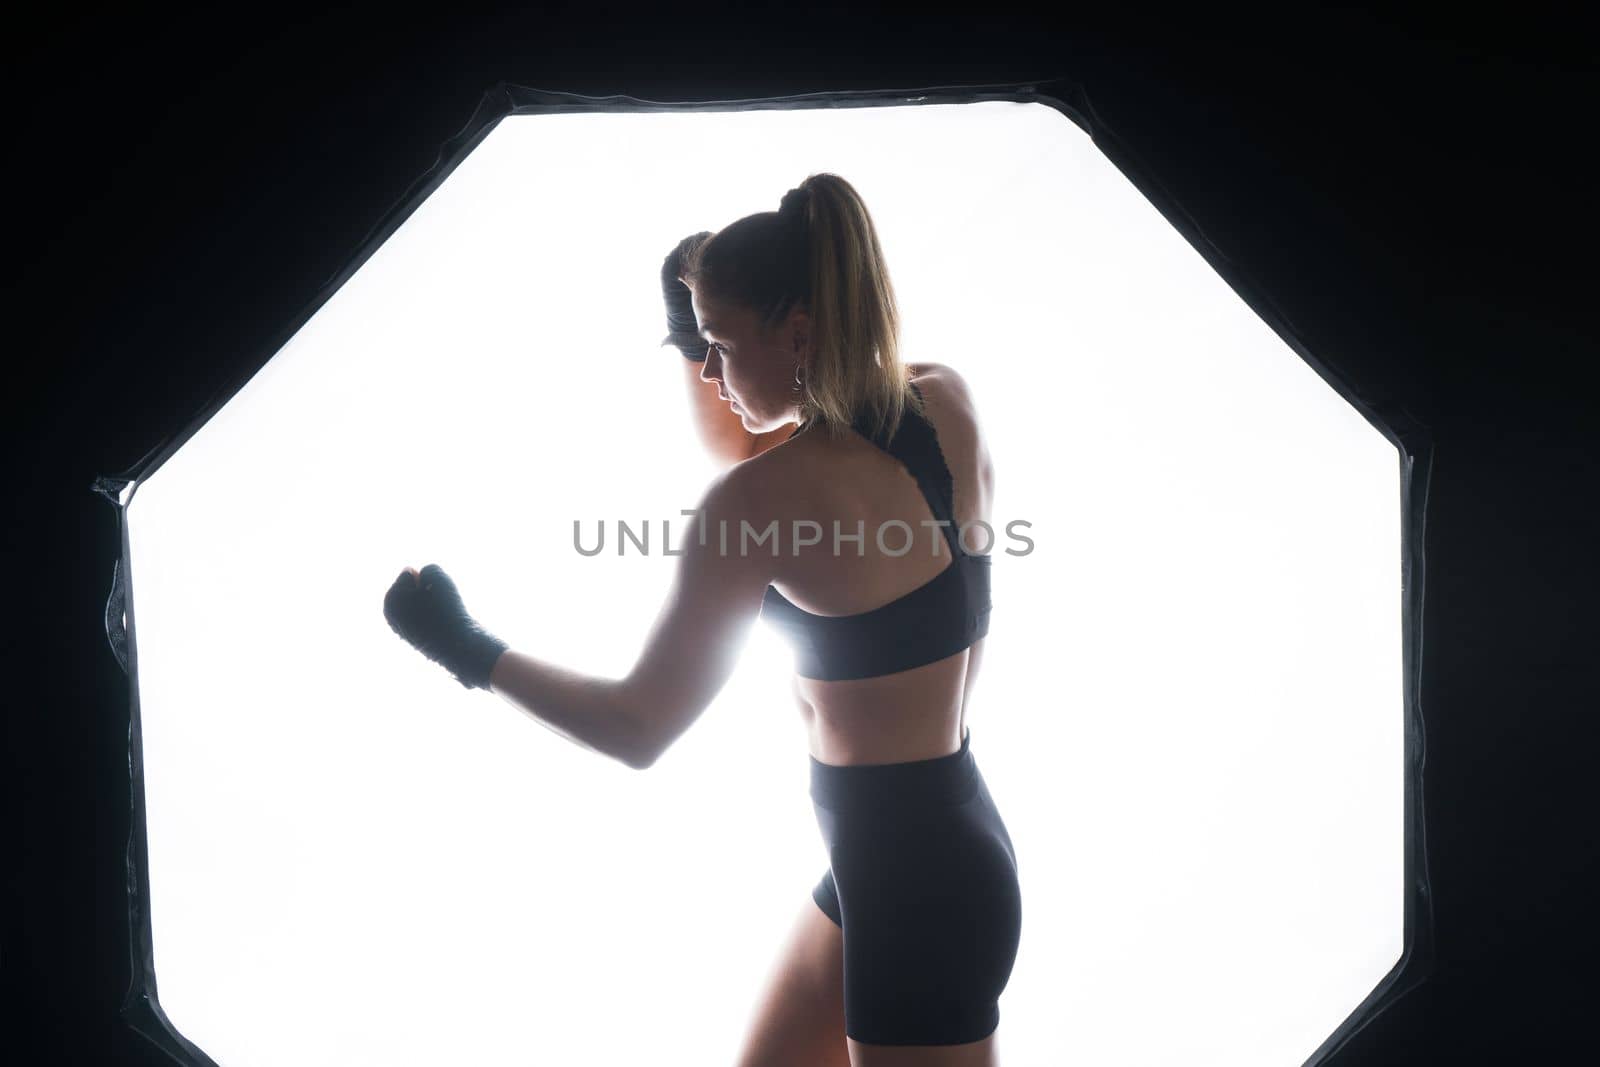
<point x="584" y="709"/>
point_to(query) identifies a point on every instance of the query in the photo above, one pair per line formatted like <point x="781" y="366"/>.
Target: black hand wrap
<point x="426" y="610"/>
<point x="682" y="329"/>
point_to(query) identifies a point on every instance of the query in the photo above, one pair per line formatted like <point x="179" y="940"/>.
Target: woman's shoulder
<point x="802" y="475"/>
<point x="949" y="402"/>
<point x="954" y="415"/>
<point x="943" y="381"/>
<point x="934" y="372"/>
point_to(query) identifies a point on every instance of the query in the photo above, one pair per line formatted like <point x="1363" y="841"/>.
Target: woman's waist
<point x="893" y="719"/>
<point x="943" y="780"/>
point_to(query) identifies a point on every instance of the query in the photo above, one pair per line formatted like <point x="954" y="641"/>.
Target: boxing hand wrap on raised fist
<point x="426" y="610"/>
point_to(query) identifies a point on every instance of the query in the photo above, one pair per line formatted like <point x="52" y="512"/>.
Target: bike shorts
<point x="922" y="879"/>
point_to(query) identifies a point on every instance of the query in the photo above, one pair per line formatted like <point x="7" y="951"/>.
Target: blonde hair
<point x="819" y="251"/>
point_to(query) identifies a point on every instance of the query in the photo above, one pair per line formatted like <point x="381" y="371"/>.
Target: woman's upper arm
<point x="702" y="627"/>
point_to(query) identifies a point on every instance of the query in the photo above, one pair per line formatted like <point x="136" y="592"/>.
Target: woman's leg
<point x="799" y="1021"/>
<point x="983" y="1053"/>
<point x="934" y="910"/>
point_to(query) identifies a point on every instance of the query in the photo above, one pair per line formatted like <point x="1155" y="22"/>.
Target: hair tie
<point x="793" y="204"/>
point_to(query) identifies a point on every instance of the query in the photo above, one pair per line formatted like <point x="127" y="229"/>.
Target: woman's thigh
<point x="932" y="918"/>
<point x="799" y="1019"/>
<point x="984" y="1053"/>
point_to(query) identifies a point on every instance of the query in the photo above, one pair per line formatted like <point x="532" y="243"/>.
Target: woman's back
<point x="911" y="714"/>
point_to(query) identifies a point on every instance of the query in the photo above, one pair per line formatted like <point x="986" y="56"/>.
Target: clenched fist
<point x="426" y="610"/>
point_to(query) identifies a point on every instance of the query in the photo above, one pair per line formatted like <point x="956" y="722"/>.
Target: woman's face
<point x="752" y="368"/>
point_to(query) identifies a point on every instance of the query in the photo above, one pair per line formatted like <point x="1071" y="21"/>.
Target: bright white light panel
<point x="1190" y="706"/>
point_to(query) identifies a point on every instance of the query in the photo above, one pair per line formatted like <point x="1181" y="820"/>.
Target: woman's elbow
<point x="637" y="747"/>
<point x="634" y="749"/>
<point x="639" y="759"/>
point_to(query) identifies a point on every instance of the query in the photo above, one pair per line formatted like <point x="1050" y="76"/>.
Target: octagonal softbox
<point x="1198" y="708"/>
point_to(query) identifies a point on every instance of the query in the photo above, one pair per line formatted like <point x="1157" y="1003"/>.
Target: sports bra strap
<point x="916" y="444"/>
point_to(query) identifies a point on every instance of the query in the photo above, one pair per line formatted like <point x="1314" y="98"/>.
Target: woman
<point x="864" y="472"/>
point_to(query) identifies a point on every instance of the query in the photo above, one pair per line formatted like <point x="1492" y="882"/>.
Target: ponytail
<point x="820" y="250"/>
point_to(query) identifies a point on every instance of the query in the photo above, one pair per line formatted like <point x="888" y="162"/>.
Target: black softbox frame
<point x="141" y="1006"/>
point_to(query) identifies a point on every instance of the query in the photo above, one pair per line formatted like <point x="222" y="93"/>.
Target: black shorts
<point x="922" y="879"/>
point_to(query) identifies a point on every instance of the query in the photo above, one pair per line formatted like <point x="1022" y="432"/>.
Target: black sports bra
<point x="937" y="619"/>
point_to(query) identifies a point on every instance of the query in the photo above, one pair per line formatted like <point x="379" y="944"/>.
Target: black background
<point x="1408" y="187"/>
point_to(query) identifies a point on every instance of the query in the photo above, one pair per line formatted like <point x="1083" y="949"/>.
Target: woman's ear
<point x="800" y="326"/>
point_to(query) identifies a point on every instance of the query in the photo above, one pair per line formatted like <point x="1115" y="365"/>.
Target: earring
<point x="798" y="383"/>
